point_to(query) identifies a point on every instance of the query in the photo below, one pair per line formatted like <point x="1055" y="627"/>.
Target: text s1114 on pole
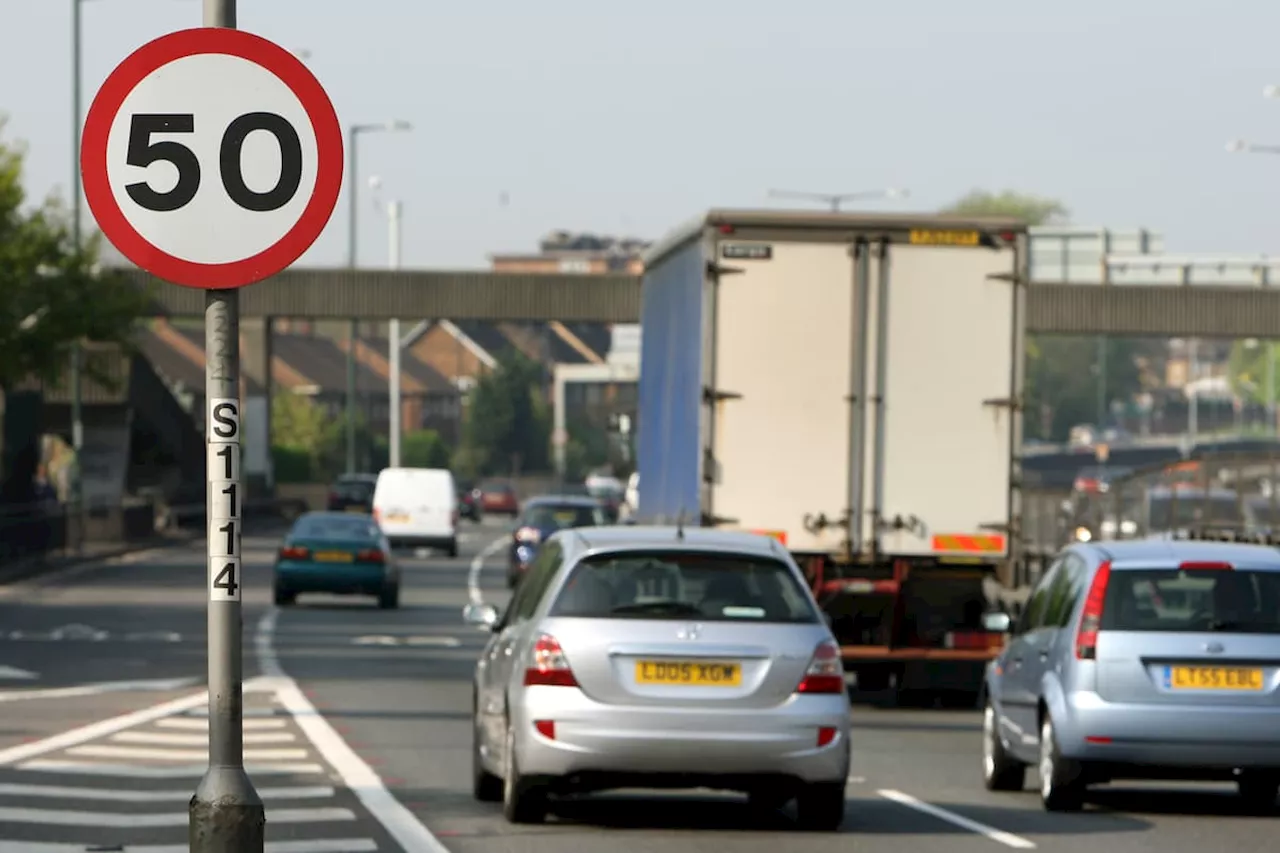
<point x="212" y="158"/>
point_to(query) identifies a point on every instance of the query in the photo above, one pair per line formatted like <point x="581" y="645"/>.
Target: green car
<point x="339" y="553"/>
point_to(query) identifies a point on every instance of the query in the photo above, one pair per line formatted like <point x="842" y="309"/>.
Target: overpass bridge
<point x="1142" y="302"/>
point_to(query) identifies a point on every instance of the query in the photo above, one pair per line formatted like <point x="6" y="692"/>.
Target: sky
<point x="628" y="118"/>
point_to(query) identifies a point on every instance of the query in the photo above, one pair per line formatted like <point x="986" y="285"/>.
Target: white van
<point x="418" y="508"/>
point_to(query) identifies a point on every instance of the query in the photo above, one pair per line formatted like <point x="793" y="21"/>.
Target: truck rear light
<point x="546" y="728"/>
<point x="825" y="673"/>
<point x="371" y="555"/>
<point x="1091" y="618"/>
<point x="826" y="734"/>
<point x="550" y="666"/>
<point x="294" y="552"/>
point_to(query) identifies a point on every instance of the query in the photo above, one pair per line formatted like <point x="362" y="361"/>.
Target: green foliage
<point x="508" y="422"/>
<point x="299" y="433"/>
<point x="1031" y="209"/>
<point x="424" y="449"/>
<point x="53" y="292"/>
<point x="1062" y="380"/>
<point x="1247" y="369"/>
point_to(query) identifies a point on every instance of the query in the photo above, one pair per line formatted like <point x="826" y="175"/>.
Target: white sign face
<point x="224" y="420"/>
<point x="224" y="500"/>
<point x="224" y="537"/>
<point x="224" y="462"/>
<point x="212" y="158"/>
<point x="224" y="578"/>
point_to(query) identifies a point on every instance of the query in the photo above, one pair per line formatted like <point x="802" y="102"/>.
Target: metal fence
<point x="31" y="532"/>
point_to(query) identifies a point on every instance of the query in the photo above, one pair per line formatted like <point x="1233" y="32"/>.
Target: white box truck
<point x="800" y="370"/>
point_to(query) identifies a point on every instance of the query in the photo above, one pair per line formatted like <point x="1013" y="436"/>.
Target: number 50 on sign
<point x="212" y="158"/>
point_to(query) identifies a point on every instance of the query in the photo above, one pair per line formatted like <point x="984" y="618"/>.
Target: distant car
<point x="499" y="498"/>
<point x="418" y="508"/>
<point x="469" y="501"/>
<point x="652" y="657"/>
<point x="352" y="493"/>
<point x="339" y="553"/>
<point x="1142" y="659"/>
<point x="541" y="518"/>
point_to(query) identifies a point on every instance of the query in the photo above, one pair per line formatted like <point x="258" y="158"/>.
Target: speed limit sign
<point x="212" y="158"/>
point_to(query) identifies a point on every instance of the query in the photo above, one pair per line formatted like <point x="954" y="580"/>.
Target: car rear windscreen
<point x="671" y="584"/>
<point x="1238" y="602"/>
<point x="354" y="490"/>
<point x="562" y="516"/>
<point x="335" y="527"/>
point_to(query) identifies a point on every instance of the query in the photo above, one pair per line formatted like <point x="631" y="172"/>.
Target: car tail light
<point x="333" y="497"/>
<point x="550" y="666"/>
<point x="1091" y="618"/>
<point x="1205" y="565"/>
<point x="293" y="552"/>
<point x="825" y="673"/>
<point x="528" y="534"/>
<point x="377" y="514"/>
<point x="826" y="734"/>
<point x="546" y="728"/>
<point x="371" y="555"/>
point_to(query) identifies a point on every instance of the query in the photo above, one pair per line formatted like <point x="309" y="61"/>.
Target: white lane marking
<point x="12" y="672"/>
<point x="202" y="723"/>
<point x="63" y="817"/>
<point x="990" y="832"/>
<point x="134" y="771"/>
<point x="390" y="640"/>
<point x="249" y="713"/>
<point x="477" y="566"/>
<point x="100" y="729"/>
<point x="161" y="684"/>
<point x="358" y="776"/>
<point x="332" y="845"/>
<point x="147" y="754"/>
<point x="179" y="739"/>
<point x="317" y="792"/>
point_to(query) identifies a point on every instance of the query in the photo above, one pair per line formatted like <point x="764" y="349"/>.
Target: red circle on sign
<point x="155" y="55"/>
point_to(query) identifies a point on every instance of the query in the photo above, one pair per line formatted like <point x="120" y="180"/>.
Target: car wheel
<point x="1259" y="790"/>
<point x="820" y="806"/>
<point x="389" y="598"/>
<point x="1000" y="772"/>
<point x="284" y="597"/>
<point x="453" y="548"/>
<point x="486" y="787"/>
<point x="1061" y="780"/>
<point x="522" y="800"/>
<point x="767" y="800"/>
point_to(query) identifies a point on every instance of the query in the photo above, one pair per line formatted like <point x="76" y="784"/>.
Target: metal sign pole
<point x="226" y="815"/>
<point x="393" y="341"/>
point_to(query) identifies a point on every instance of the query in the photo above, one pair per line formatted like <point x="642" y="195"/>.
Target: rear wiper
<point x="679" y="607"/>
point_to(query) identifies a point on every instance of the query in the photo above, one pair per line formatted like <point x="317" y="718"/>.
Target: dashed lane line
<point x="64" y="817"/>
<point x="112" y="795"/>
<point x="136" y="771"/>
<point x="183" y="739"/>
<point x="477" y="566"/>
<point x="332" y="845"/>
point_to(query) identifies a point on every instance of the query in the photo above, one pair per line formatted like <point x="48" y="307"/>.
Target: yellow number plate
<point x="397" y="516"/>
<point x="920" y="237"/>
<point x="1214" y="678"/>
<point x="688" y="673"/>
<point x="334" y="557"/>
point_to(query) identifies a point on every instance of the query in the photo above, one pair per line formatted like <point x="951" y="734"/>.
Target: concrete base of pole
<point x="226" y="815"/>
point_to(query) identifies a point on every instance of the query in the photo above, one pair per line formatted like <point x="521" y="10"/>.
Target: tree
<point x="508" y="425"/>
<point x="1247" y="368"/>
<point x="1031" y="209"/>
<point x="424" y="448"/>
<point x="300" y="433"/>
<point x="54" y="293"/>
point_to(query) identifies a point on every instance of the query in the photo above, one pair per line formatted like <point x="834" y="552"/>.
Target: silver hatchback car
<point x="653" y="657"/>
<point x="1152" y="659"/>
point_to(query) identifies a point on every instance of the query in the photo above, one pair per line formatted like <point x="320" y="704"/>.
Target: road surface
<point x="358" y="736"/>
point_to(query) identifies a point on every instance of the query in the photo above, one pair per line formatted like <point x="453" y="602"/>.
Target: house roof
<point x="487" y="336"/>
<point x="175" y="367"/>
<point x="597" y="336"/>
<point x="324" y="362"/>
<point x="433" y="380"/>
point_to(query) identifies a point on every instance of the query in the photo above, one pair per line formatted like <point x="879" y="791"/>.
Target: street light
<point x="393" y="210"/>
<point x="837" y="199"/>
<point x="1240" y="146"/>
<point x="353" y="137"/>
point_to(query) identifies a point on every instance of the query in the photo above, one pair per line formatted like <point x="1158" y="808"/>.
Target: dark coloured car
<point x="352" y="493"/>
<point x="541" y="518"/>
<point x="499" y="497"/>
<point x="338" y="553"/>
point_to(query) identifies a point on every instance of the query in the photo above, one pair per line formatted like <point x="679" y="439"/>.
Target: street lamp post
<point x="74" y="379"/>
<point x="353" y="136"/>
<point x="835" y="200"/>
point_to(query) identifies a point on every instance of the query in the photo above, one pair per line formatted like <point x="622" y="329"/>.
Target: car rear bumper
<point x="604" y="741"/>
<point x="1162" y="736"/>
<point x="421" y="540"/>
<point x="366" y="579"/>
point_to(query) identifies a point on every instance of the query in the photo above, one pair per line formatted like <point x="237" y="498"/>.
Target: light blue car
<point x="1149" y="659"/>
